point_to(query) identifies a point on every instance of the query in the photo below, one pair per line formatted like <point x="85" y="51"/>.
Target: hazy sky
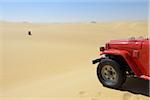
<point x="73" y="11"/>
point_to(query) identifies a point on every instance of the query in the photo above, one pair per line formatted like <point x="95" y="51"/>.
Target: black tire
<point x="111" y="79"/>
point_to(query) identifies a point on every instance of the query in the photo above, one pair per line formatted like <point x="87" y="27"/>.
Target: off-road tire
<point x="120" y="73"/>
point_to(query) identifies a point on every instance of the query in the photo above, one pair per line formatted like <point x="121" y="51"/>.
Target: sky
<point x="57" y="11"/>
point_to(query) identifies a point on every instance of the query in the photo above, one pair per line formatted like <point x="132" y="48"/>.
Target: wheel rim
<point x="109" y="74"/>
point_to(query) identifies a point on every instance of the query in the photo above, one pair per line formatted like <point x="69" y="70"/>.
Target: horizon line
<point x="92" y="22"/>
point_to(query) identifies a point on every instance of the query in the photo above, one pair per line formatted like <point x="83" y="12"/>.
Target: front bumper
<point x="98" y="59"/>
<point x="95" y="61"/>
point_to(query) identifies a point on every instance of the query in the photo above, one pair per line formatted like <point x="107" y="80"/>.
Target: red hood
<point x="125" y="44"/>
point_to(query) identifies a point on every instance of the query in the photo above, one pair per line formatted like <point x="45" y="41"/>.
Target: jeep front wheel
<point x="110" y="73"/>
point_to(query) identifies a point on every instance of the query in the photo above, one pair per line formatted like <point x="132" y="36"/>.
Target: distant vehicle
<point x="123" y="58"/>
<point x="94" y="22"/>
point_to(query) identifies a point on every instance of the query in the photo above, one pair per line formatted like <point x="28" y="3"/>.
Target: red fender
<point x="128" y="58"/>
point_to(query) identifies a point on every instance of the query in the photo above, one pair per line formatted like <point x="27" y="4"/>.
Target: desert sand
<point x="54" y="63"/>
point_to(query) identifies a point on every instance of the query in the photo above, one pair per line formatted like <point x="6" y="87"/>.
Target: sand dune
<point x="55" y="62"/>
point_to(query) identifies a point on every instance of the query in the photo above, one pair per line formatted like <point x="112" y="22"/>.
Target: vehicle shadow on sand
<point x="136" y="86"/>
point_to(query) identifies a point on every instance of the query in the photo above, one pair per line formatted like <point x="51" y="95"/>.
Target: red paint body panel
<point x="135" y="52"/>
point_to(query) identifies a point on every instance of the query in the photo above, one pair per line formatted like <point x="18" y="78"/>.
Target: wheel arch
<point x="124" y="58"/>
<point x="121" y="61"/>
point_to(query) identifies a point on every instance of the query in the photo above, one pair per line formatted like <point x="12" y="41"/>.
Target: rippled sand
<point x="54" y="63"/>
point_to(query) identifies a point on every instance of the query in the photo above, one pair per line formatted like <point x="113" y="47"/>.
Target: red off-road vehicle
<point x="122" y="58"/>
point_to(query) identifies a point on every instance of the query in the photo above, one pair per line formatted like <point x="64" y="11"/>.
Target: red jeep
<point x="122" y="58"/>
